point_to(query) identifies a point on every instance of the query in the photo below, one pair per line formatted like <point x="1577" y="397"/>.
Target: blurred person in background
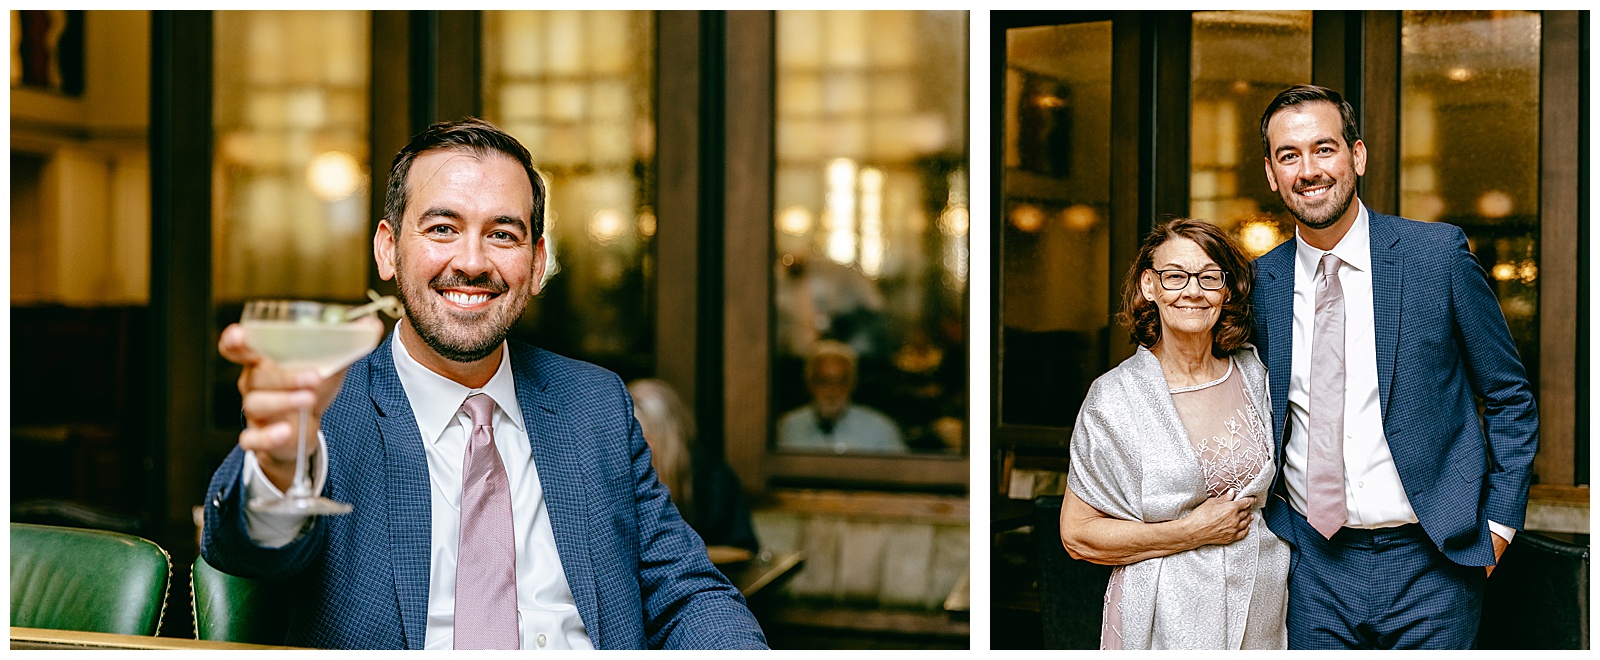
<point x="705" y="489"/>
<point x="832" y="422"/>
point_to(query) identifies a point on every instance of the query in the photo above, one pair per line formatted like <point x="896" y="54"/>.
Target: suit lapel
<point x="558" y="460"/>
<point x="409" y="501"/>
<point x="1388" y="283"/>
<point x="1277" y="296"/>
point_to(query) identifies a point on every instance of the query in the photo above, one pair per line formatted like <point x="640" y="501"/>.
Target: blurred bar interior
<point x="1107" y="120"/>
<point x="728" y="189"/>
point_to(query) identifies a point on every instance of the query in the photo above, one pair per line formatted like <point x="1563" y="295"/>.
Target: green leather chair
<point x="64" y="578"/>
<point x="235" y="609"/>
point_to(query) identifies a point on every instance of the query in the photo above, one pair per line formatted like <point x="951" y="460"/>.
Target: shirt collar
<point x="1354" y="250"/>
<point x="436" y="400"/>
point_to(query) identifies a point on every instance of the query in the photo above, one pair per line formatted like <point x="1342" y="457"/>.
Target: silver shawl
<point x="1131" y="459"/>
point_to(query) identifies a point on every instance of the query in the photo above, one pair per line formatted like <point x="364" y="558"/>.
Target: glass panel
<point x="871" y="222"/>
<point x="290" y="180"/>
<point x="1055" y="234"/>
<point x="577" y="88"/>
<point x="1469" y="95"/>
<point x="1241" y="60"/>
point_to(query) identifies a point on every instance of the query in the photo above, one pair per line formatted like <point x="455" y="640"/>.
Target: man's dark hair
<point x="1299" y="94"/>
<point x="470" y="134"/>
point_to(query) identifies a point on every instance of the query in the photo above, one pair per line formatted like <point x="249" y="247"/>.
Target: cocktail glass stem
<point x="302" y="483"/>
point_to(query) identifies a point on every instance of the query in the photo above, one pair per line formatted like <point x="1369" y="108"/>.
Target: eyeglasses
<point x="1177" y="280"/>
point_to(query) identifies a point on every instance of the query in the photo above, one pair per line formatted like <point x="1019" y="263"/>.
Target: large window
<point x="1469" y="146"/>
<point x="1241" y="60"/>
<point x="290" y="106"/>
<point x="870" y="231"/>
<point x="290" y="183"/>
<point x="577" y="88"/>
<point x="1055" y="230"/>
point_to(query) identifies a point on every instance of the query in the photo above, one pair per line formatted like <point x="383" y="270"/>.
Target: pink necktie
<point x="486" y="560"/>
<point x="1325" y="457"/>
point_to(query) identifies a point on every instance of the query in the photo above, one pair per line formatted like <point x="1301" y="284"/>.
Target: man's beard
<point x="1339" y="196"/>
<point x="453" y="339"/>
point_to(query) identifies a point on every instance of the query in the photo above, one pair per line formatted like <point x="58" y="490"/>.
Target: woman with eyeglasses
<point x="1172" y="459"/>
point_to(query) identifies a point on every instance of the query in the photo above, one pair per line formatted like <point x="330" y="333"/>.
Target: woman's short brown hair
<point x="1140" y="317"/>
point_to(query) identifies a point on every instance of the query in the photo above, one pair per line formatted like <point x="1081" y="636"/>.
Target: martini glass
<point x="297" y="335"/>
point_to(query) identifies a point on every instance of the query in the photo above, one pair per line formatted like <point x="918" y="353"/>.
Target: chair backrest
<point x="1071" y="591"/>
<point x="89" y="580"/>
<point x="1538" y="597"/>
<point x="229" y="608"/>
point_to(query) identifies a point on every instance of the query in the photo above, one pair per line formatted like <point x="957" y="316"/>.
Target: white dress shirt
<point x="546" y="612"/>
<point x="1374" y="496"/>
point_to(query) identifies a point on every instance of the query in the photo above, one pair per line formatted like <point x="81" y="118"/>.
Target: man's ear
<point x="1358" y="151"/>
<point x="383" y="250"/>
<point x="1272" y="182"/>
<point x="541" y="262"/>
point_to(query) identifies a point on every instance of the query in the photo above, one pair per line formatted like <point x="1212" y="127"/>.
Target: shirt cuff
<point x="1502" y="531"/>
<point x="275" y="530"/>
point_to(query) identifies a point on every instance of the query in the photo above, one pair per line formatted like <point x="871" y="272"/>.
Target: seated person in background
<point x="831" y="421"/>
<point x="705" y="489"/>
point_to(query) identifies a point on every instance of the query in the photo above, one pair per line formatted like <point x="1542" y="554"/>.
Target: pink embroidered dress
<point x="1232" y="447"/>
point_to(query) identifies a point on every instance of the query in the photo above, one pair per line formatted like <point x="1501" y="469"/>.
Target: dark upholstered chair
<point x="64" y="578"/>
<point x="235" y="609"/>
<point x="1072" y="592"/>
<point x="1538" y="597"/>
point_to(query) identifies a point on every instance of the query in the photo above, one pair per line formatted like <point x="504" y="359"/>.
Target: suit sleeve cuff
<point x="1502" y="531"/>
<point x="275" y="530"/>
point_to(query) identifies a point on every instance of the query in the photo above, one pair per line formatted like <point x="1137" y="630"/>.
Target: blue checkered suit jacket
<point x="639" y="574"/>
<point x="1441" y="341"/>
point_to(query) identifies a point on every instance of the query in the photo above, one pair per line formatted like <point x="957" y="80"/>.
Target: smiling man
<point x="503" y="494"/>
<point x="1381" y="337"/>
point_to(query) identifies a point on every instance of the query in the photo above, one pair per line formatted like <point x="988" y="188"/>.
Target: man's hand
<point x="273" y="399"/>
<point x="1499" y="549"/>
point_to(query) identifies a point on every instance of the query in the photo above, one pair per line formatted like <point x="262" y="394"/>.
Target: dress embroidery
<point x="1232" y="450"/>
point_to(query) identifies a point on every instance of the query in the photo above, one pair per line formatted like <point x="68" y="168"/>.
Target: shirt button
<point x="1361" y="484"/>
<point x="541" y="640"/>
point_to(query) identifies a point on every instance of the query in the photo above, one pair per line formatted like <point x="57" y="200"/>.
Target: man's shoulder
<point x="1406" y="228"/>
<point x="557" y="372"/>
<point x="1277" y="256"/>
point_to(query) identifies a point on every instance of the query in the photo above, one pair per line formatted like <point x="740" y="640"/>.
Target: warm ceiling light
<point x="605" y="226"/>
<point x="1495" y="204"/>
<point x="1027" y="217"/>
<point x="1079" y="217"/>
<point x="333" y="175"/>
<point x="794" y="220"/>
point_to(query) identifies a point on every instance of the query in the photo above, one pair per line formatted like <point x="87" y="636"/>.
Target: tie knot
<point x="1330" y="264"/>
<point x="480" y="407"/>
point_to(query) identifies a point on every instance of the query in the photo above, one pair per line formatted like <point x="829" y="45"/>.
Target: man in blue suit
<point x="1381" y="335"/>
<point x="503" y="495"/>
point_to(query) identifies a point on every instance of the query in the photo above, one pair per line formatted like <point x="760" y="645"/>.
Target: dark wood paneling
<point x="747" y="253"/>
<point x="389" y="114"/>
<point x="1336" y="53"/>
<point x="1130" y="169"/>
<point x="678" y="211"/>
<point x="1378" y="112"/>
<point x="1559" y="183"/>
<point x="910" y="471"/>
<point x="1169" y="49"/>
<point x="458" y="75"/>
<point x="180" y="267"/>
